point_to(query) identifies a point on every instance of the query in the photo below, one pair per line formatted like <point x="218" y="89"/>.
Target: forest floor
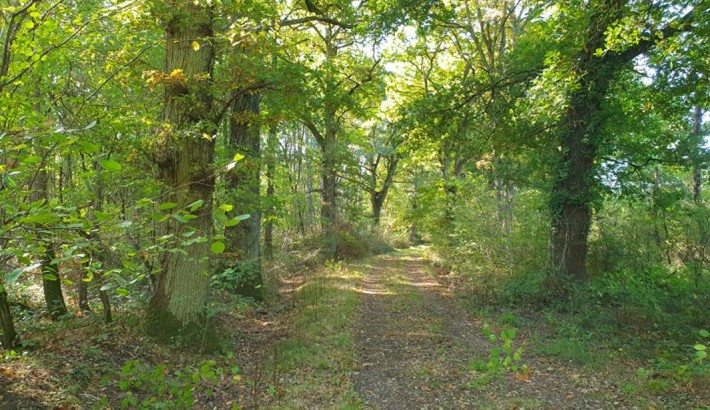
<point x="382" y="333"/>
<point x="418" y="348"/>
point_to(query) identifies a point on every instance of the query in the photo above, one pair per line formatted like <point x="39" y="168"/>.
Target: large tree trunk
<point x="573" y="189"/>
<point x="9" y="335"/>
<point x="185" y="155"/>
<point x="244" y="185"/>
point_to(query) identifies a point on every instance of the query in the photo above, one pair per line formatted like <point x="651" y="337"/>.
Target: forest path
<point x="413" y="343"/>
<point x="415" y="346"/>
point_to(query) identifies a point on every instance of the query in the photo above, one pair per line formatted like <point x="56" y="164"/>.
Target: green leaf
<point x="39" y="219"/>
<point x="49" y="276"/>
<point x="196" y="205"/>
<point x="110" y="165"/>
<point x="167" y="205"/>
<point x="704" y="333"/>
<point x="242" y="217"/>
<point x="700" y="347"/>
<point x="226" y="207"/>
<point x="231" y="222"/>
<point x="102" y="216"/>
<point x="181" y="219"/>
<point x="238" y="157"/>
<point x="217" y="247"/>
<point x="32" y="159"/>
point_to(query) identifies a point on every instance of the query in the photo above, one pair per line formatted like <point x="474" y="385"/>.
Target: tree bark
<point x="573" y="187"/>
<point x="51" y="283"/>
<point x="83" y="292"/>
<point x="270" y="194"/>
<point x="9" y="334"/>
<point x="244" y="185"/>
<point x="377" y="198"/>
<point x="185" y="156"/>
<point x="574" y="190"/>
<point x="697" y="170"/>
<point x="413" y="231"/>
<point x="328" y="194"/>
<point x="101" y="252"/>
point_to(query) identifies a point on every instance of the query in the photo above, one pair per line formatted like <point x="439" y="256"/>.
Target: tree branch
<point x="673" y="28"/>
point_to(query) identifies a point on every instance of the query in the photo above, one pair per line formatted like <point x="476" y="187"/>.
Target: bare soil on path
<point x="415" y="345"/>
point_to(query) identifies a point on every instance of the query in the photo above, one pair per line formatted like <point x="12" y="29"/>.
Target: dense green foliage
<point x="157" y="154"/>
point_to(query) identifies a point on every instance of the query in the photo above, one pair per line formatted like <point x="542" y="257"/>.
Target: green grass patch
<point x="572" y="350"/>
<point x="313" y="365"/>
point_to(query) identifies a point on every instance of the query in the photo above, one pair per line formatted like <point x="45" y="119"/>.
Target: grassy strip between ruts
<point x="313" y="367"/>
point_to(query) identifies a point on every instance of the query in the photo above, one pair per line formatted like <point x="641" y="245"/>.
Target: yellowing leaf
<point x="195" y="45"/>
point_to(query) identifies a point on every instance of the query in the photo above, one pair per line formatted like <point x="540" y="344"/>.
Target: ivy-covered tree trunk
<point x="184" y="153"/>
<point x="9" y="334"/>
<point x="243" y="183"/>
<point x="573" y="187"/>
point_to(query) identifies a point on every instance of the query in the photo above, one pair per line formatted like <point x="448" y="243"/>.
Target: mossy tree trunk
<point x="243" y="183"/>
<point x="184" y="154"/>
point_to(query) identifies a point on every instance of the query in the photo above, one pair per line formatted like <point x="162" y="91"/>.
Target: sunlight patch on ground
<point x="386" y="292"/>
